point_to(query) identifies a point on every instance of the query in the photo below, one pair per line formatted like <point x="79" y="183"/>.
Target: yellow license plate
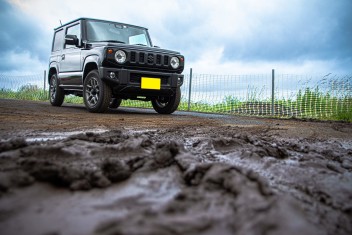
<point x="150" y="83"/>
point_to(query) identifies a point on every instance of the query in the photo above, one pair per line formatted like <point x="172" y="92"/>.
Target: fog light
<point x="179" y="81"/>
<point x="112" y="75"/>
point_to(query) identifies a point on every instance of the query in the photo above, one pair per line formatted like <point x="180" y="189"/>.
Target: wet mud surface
<point x="178" y="174"/>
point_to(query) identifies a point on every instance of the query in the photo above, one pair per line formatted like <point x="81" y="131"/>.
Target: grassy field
<point x="308" y="104"/>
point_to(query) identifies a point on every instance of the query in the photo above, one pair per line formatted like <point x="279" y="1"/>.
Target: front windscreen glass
<point x="98" y="31"/>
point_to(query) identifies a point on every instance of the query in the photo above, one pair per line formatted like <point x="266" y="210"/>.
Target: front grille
<point x="149" y="59"/>
<point x="137" y="77"/>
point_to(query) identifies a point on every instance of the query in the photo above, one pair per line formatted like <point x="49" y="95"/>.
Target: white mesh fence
<point x="17" y="82"/>
<point x="302" y="96"/>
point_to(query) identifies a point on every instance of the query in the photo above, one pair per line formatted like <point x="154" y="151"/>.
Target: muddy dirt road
<point x="132" y="171"/>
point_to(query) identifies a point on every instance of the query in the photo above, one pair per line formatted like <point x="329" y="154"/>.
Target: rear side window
<point x="58" y="40"/>
<point x="73" y="30"/>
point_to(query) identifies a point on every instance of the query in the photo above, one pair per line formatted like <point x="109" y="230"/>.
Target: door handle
<point x="63" y="56"/>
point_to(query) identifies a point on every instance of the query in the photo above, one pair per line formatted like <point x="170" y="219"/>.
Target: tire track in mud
<point x="212" y="180"/>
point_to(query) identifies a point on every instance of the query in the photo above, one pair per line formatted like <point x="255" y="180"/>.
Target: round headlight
<point x="175" y="62"/>
<point x="120" y="57"/>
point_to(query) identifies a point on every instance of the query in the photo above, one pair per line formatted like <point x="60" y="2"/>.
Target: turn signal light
<point x="110" y="51"/>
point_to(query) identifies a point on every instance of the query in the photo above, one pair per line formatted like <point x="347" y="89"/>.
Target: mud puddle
<point x="226" y="180"/>
<point x="55" y="136"/>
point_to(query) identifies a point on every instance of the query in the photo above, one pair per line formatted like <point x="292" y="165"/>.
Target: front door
<point x="70" y="61"/>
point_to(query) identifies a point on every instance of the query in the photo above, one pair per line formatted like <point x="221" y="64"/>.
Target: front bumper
<point x="127" y="83"/>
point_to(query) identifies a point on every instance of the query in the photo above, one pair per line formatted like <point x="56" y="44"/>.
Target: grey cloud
<point x="318" y="30"/>
<point x="20" y="34"/>
<point x="300" y="30"/>
<point x="185" y="34"/>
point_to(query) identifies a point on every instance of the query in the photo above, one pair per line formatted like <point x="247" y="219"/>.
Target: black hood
<point x="132" y="47"/>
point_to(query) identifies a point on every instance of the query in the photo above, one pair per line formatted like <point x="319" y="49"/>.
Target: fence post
<point x="44" y="80"/>
<point x="272" y="92"/>
<point x="190" y="90"/>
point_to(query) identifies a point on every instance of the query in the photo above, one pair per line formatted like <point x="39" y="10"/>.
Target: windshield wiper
<point x="139" y="44"/>
<point x="111" y="41"/>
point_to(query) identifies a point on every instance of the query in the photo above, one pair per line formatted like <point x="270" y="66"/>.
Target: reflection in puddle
<point x="48" y="136"/>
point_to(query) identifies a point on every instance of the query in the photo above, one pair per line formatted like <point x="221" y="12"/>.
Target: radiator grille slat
<point x="133" y="56"/>
<point x="141" y="57"/>
<point x="158" y="59"/>
<point x="166" y="60"/>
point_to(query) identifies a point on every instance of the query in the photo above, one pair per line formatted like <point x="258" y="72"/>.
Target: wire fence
<point x="281" y="95"/>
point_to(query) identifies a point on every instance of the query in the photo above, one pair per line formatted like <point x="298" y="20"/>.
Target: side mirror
<point x="71" y="40"/>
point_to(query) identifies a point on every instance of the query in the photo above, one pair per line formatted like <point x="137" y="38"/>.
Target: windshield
<point x="99" y="31"/>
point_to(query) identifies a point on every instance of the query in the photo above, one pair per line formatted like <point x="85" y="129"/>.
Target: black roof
<point x="84" y="18"/>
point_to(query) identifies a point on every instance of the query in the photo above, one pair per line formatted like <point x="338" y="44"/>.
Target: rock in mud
<point x="13" y="179"/>
<point x="12" y="144"/>
<point x="52" y="172"/>
<point x="165" y="153"/>
<point x="115" y="170"/>
<point x="109" y="137"/>
<point x="335" y="166"/>
<point x="347" y="164"/>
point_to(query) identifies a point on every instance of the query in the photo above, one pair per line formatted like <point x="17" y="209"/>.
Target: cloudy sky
<point x="216" y="37"/>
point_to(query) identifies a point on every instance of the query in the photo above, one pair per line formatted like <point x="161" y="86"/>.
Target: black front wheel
<point x="56" y="94"/>
<point x="167" y="105"/>
<point x="96" y="93"/>
<point x="115" y="103"/>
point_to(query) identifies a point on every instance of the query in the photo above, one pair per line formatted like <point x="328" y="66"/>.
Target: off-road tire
<point x="56" y="94"/>
<point x="115" y="103"/>
<point x="167" y="105"/>
<point x="96" y="93"/>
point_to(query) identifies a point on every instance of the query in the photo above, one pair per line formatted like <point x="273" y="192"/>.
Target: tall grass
<point x="314" y="103"/>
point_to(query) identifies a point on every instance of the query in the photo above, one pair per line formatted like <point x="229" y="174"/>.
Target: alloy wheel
<point x="92" y="92"/>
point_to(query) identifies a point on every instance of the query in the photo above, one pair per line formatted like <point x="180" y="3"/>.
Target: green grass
<point x="307" y="104"/>
<point x="73" y="99"/>
<point x="27" y="92"/>
<point x="323" y="105"/>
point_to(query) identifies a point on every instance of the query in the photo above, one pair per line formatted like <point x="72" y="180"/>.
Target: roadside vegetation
<point x="307" y="103"/>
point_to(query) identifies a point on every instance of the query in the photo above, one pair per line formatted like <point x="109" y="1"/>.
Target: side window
<point x="58" y="40"/>
<point x="73" y="30"/>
